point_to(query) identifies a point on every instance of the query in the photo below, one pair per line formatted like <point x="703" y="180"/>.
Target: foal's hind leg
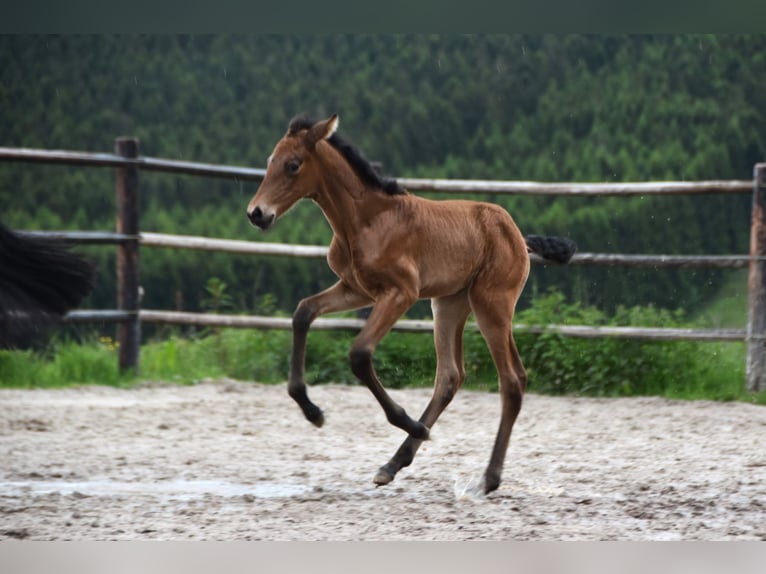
<point x="494" y="314"/>
<point x="339" y="297"/>
<point x="450" y="314"/>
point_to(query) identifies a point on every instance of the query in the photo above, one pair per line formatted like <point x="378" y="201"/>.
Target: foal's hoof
<point x="491" y="482"/>
<point x="314" y="415"/>
<point x="383" y="477"/>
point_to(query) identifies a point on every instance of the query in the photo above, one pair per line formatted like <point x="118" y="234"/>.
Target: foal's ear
<point x="321" y="131"/>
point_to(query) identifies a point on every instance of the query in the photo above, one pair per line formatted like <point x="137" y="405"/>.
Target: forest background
<point x="502" y="107"/>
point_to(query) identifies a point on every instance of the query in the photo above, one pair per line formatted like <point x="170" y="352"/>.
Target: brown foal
<point x="391" y="248"/>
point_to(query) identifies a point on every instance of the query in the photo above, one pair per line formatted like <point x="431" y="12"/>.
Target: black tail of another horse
<point x="39" y="282"/>
<point x="556" y="249"/>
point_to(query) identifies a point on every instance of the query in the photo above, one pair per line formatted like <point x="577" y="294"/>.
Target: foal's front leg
<point x="387" y="310"/>
<point x="339" y="297"/>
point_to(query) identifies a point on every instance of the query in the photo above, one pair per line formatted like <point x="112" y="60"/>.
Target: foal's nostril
<point x="259" y="218"/>
<point x="255" y="216"/>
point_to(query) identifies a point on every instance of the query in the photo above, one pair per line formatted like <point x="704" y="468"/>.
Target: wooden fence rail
<point x="320" y="252"/>
<point x="465" y="186"/>
<point x="128" y="162"/>
<point x="241" y="247"/>
<point x="404" y="325"/>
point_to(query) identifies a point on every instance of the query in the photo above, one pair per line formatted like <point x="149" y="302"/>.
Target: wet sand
<point x="227" y="460"/>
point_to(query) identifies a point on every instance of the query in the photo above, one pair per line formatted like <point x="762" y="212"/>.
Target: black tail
<point x="557" y="249"/>
<point x="39" y="282"/>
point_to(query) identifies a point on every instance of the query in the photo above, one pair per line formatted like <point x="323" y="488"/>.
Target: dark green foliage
<point x="560" y="108"/>
<point x="618" y="367"/>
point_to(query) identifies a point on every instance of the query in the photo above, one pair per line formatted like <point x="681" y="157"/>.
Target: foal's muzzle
<point x="260" y="219"/>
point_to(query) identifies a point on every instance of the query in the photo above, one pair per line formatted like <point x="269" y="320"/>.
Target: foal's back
<point x="454" y="241"/>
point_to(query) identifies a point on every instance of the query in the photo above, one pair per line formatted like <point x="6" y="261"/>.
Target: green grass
<point x="555" y="364"/>
<point x="62" y="363"/>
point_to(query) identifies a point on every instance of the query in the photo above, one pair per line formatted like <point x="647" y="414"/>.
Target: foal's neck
<point x="347" y="203"/>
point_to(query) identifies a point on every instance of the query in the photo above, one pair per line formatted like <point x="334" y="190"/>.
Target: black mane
<point x="360" y="164"/>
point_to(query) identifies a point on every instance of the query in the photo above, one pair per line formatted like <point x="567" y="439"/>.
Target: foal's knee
<point x="361" y="360"/>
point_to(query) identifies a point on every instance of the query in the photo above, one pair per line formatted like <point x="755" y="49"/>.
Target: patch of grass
<point x="62" y="363"/>
<point x="619" y="367"/>
<point x="247" y="355"/>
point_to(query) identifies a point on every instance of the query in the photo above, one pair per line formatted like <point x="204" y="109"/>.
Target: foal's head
<point x="294" y="170"/>
<point x="291" y="172"/>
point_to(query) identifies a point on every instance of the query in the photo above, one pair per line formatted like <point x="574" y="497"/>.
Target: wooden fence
<point x="128" y="162"/>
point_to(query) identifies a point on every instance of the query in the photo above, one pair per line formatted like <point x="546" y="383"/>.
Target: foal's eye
<point x="292" y="166"/>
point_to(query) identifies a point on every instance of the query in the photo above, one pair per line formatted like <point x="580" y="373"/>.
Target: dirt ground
<point x="226" y="460"/>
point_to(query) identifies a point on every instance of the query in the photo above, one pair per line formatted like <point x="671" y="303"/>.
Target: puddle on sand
<point x="178" y="489"/>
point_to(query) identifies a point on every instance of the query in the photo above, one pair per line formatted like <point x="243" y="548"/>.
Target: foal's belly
<point x="444" y="280"/>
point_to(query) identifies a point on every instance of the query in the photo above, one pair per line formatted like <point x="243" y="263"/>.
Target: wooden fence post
<point x="128" y="268"/>
<point x="756" y="320"/>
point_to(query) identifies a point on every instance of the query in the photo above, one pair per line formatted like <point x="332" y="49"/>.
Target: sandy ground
<point x="228" y="460"/>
